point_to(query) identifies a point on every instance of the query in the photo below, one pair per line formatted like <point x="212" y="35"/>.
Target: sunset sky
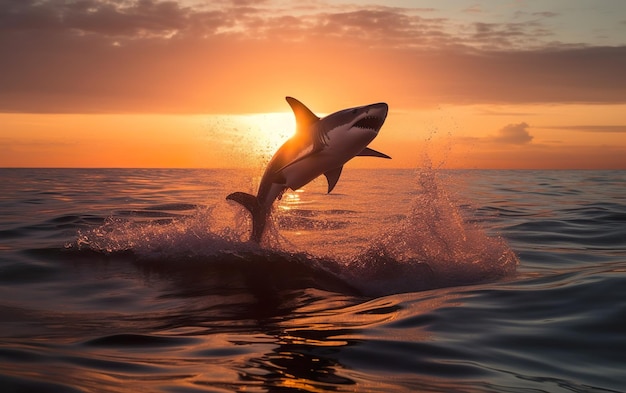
<point x="190" y="83"/>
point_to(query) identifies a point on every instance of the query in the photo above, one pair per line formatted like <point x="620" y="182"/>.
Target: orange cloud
<point x="156" y="56"/>
<point x="516" y="134"/>
<point x="118" y="60"/>
<point x="592" y="128"/>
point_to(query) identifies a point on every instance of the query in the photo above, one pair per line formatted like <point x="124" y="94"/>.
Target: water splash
<point x="434" y="246"/>
<point x="196" y="235"/>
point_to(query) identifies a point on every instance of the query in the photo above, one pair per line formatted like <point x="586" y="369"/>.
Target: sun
<point x="268" y="131"/>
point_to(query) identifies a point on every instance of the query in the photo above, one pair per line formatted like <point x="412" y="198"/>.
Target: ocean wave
<point x="433" y="246"/>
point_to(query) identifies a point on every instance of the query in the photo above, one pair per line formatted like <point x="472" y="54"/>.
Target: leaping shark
<point x="319" y="147"/>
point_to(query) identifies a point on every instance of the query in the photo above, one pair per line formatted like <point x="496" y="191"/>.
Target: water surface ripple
<point x="120" y="280"/>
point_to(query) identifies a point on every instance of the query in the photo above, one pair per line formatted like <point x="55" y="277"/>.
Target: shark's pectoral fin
<point x="333" y="177"/>
<point x="372" y="153"/>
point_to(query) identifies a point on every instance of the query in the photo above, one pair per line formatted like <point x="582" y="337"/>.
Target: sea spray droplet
<point x="199" y="234"/>
<point x="428" y="243"/>
<point x="434" y="246"/>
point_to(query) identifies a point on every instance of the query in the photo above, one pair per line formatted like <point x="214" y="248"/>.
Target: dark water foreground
<point x="473" y="281"/>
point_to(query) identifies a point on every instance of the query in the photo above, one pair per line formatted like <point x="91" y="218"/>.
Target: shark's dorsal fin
<point x="333" y="176"/>
<point x="304" y="116"/>
<point x="372" y="153"/>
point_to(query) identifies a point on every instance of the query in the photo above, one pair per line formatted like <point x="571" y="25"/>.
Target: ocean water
<point x="123" y="280"/>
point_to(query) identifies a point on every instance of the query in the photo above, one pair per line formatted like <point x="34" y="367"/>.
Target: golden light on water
<point x="291" y="199"/>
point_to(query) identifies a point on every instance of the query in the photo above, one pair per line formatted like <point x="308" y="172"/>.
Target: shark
<point x="320" y="146"/>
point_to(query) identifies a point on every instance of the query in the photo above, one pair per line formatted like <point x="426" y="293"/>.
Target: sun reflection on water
<point x="291" y="200"/>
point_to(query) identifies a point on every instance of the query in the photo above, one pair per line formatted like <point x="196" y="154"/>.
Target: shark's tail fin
<point x="259" y="213"/>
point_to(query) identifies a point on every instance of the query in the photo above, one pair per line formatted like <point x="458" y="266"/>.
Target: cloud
<point x="592" y="128"/>
<point x="546" y="14"/>
<point x="516" y="134"/>
<point x="508" y="35"/>
<point x="473" y="9"/>
<point x="494" y="112"/>
<point x="511" y="134"/>
<point x="112" y="17"/>
<point x="135" y="19"/>
<point x="169" y="56"/>
<point x="410" y="27"/>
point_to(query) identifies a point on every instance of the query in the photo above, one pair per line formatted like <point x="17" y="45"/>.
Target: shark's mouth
<point x="370" y="122"/>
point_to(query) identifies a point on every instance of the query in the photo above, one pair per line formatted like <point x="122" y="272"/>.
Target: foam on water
<point x="432" y="246"/>
<point x="188" y="236"/>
